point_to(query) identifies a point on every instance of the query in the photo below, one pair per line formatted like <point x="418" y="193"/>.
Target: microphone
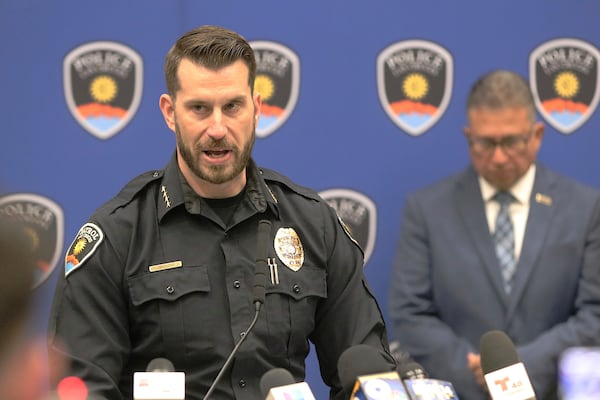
<point x="159" y="382"/>
<point x="420" y="386"/>
<point x="262" y="252"/>
<point x="504" y="373"/>
<point x="412" y="370"/>
<point x="258" y="293"/>
<point x="279" y="384"/>
<point x="366" y="375"/>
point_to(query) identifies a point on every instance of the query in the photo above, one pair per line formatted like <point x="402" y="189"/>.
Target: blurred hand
<point x="474" y="363"/>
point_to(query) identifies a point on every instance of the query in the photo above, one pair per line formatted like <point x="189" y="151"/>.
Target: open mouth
<point x="216" y="153"/>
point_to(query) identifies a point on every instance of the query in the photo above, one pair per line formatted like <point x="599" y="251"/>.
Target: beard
<point x="215" y="174"/>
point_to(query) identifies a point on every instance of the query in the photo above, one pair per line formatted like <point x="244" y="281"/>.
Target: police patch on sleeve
<point x="87" y="240"/>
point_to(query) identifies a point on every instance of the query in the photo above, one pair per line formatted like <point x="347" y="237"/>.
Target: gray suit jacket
<point x="447" y="288"/>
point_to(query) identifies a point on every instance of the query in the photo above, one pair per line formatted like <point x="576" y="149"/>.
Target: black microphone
<point x="160" y="381"/>
<point x="363" y="368"/>
<point x="263" y="234"/>
<point x="504" y="373"/>
<point x="274" y="378"/>
<point x="279" y="384"/>
<point x="411" y="370"/>
<point x="262" y="252"/>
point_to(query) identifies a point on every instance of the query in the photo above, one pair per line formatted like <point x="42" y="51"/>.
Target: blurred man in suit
<point x="540" y="283"/>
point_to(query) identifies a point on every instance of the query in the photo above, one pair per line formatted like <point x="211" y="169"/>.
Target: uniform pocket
<point x="168" y="285"/>
<point x="163" y="304"/>
<point x="290" y="308"/>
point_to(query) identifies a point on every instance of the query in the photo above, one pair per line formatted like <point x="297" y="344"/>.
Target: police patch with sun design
<point x="565" y="82"/>
<point x="83" y="246"/>
<point x="103" y="86"/>
<point x="414" y="82"/>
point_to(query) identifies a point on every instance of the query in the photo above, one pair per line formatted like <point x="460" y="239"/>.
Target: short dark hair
<point x="212" y="47"/>
<point x="501" y="89"/>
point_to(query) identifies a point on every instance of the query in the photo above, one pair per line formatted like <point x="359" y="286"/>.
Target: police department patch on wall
<point x="414" y="82"/>
<point x="103" y="86"/>
<point x="42" y="221"/>
<point x="358" y="213"/>
<point x="564" y="79"/>
<point x="277" y="81"/>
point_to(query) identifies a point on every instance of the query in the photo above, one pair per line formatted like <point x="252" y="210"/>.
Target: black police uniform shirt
<point x="148" y="277"/>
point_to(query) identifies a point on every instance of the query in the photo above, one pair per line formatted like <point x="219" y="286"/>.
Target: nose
<point x="499" y="155"/>
<point x="216" y="125"/>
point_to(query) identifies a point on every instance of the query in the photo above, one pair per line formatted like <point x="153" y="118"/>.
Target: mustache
<point x="216" y="144"/>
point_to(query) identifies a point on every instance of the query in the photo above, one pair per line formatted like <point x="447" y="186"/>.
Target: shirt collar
<point x="175" y="191"/>
<point x="521" y="190"/>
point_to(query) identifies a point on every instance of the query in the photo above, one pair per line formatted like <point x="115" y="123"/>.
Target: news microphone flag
<point x="430" y="389"/>
<point x="279" y="384"/>
<point x="504" y="373"/>
<point x="382" y="386"/>
<point x="159" y="382"/>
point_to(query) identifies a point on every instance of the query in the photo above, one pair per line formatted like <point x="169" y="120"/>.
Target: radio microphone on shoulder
<point x="263" y="234"/>
<point x="504" y="373"/>
<point x="279" y="384"/>
<point x="159" y="382"/>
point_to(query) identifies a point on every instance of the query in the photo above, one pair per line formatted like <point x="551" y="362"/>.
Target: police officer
<point x="167" y="267"/>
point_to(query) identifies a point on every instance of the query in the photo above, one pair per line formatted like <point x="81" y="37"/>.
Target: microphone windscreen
<point x="360" y="360"/>
<point x="411" y="370"/>
<point x="497" y="351"/>
<point x="274" y="378"/>
<point x="160" y="364"/>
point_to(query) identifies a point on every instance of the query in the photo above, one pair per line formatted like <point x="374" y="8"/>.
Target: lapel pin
<point x="543" y="199"/>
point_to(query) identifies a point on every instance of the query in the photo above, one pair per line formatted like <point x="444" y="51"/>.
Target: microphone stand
<point x="257" y="306"/>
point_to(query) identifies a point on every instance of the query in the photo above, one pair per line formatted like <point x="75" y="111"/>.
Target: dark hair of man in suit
<point x="501" y="89"/>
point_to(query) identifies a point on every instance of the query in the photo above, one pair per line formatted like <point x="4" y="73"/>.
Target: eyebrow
<point x="234" y="99"/>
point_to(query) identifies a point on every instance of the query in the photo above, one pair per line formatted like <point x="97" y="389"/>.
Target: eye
<point x="510" y="141"/>
<point x="232" y="107"/>
<point x="200" y="108"/>
<point x="487" y="143"/>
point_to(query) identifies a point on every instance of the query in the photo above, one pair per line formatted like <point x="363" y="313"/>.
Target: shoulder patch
<point x="83" y="246"/>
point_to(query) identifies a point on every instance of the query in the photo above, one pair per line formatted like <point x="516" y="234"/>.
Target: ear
<point x="538" y="130"/>
<point x="167" y="107"/>
<point x="467" y="130"/>
<point x="257" y="103"/>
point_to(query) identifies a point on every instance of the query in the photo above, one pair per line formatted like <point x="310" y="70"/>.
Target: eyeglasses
<point x="510" y="144"/>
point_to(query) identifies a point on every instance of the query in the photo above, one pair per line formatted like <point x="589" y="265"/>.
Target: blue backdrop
<point x="371" y="102"/>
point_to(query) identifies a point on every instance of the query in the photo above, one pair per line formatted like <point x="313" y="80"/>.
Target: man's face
<point x="516" y="141"/>
<point x="214" y="118"/>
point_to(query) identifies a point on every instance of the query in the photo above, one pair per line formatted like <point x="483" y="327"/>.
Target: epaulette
<point x="131" y="189"/>
<point x="271" y="176"/>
